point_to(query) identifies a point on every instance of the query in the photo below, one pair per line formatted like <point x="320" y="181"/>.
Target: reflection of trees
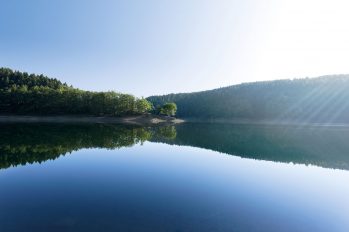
<point x="165" y="132"/>
<point x="29" y="143"/>
<point x="321" y="146"/>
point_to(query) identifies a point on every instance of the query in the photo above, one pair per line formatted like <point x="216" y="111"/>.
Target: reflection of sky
<point x="162" y="187"/>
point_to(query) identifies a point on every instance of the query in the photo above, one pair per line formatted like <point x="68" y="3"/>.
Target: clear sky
<point x="163" y="46"/>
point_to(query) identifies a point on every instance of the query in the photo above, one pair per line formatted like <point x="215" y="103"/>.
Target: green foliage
<point x="169" y="109"/>
<point x="21" y="93"/>
<point x="30" y="143"/>
<point x="167" y="132"/>
<point x="302" y="145"/>
<point x="142" y="105"/>
<point x="323" y="99"/>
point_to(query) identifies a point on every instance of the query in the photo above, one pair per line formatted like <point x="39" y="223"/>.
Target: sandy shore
<point x="134" y="120"/>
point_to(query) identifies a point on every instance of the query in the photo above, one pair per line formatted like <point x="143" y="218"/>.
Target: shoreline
<point x="130" y="120"/>
<point x="148" y="119"/>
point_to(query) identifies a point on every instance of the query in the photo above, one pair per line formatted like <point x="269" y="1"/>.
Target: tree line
<point x="22" y="144"/>
<point x="23" y="93"/>
<point x="320" y="146"/>
<point x="322" y="99"/>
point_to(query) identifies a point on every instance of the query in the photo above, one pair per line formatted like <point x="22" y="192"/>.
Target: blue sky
<point x="157" y="46"/>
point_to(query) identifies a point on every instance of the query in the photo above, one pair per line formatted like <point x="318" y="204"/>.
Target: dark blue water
<point x="64" y="178"/>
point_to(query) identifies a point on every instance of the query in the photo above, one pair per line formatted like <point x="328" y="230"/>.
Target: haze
<point x="158" y="47"/>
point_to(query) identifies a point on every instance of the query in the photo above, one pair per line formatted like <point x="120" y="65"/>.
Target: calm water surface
<point x="192" y="177"/>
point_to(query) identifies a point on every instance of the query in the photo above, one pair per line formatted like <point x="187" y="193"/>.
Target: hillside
<point x="23" y="93"/>
<point x="322" y="99"/>
<point x="22" y="144"/>
<point x="323" y="146"/>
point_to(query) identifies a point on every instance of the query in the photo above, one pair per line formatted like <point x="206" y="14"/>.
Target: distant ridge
<point x="322" y="99"/>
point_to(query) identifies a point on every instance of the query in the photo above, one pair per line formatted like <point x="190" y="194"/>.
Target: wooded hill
<point x="29" y="143"/>
<point x="23" y="93"/>
<point x="322" y="99"/>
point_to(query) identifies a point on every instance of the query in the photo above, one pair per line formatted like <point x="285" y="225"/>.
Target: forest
<point x="22" y="144"/>
<point x="309" y="145"/>
<point x="23" y="93"/>
<point x="322" y="99"/>
<point x="28" y="143"/>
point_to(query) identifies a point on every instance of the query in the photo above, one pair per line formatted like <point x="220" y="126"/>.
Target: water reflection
<point x="158" y="187"/>
<point x="323" y="146"/>
<point x="21" y="144"/>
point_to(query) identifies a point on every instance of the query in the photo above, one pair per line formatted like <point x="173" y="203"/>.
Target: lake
<point x="188" y="177"/>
